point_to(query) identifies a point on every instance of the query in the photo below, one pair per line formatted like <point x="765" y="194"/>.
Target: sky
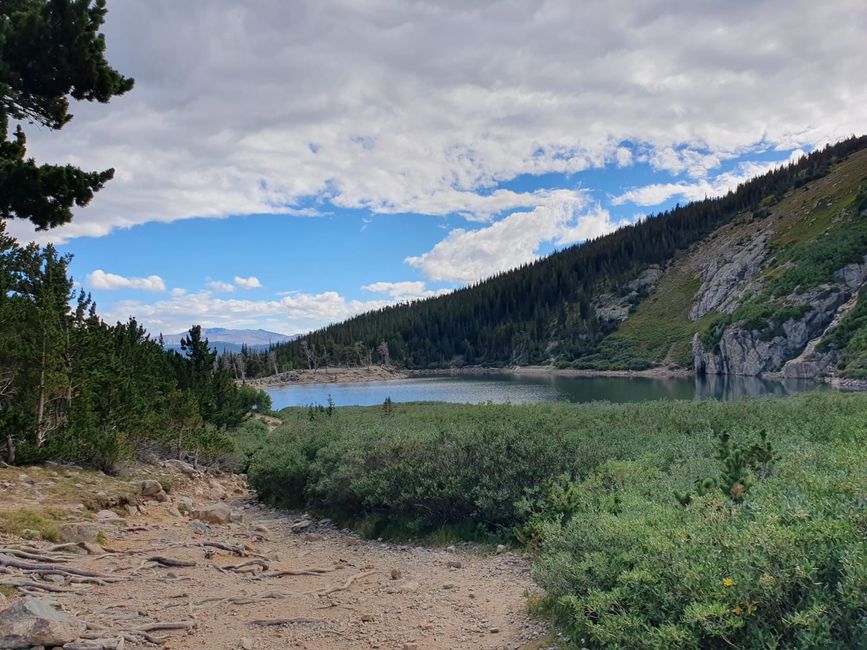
<point x="285" y="165"/>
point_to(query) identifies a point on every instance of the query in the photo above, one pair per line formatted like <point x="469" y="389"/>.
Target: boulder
<point x="78" y="532"/>
<point x="33" y="622"/>
<point x="150" y="488"/>
<point x="186" y="468"/>
<point x="185" y="505"/>
<point x="218" y="513"/>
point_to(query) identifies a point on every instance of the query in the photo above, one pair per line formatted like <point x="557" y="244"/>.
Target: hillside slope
<point x="764" y="279"/>
<point x="774" y="290"/>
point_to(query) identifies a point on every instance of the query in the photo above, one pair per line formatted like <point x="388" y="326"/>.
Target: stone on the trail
<point x="92" y="549"/>
<point x="396" y="574"/>
<point x="454" y="564"/>
<point x="161" y="496"/>
<point x="500" y="549"/>
<point x="33" y="622"/>
<point x="29" y="533"/>
<point x="218" y="513"/>
<point x="81" y="531"/>
<point x="174" y="512"/>
<point x="301" y="525"/>
<point x="107" y="515"/>
<point x="246" y="643"/>
<point x="102" y="500"/>
<point x="150" y="488"/>
<point x="186" y="468"/>
<point x="185" y="505"/>
<point x="199" y="528"/>
<point x="261" y="528"/>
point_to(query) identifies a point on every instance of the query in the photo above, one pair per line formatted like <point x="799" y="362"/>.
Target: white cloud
<point x="223" y="287"/>
<point x="99" y="279"/>
<point x="248" y="283"/>
<point x="657" y="193"/>
<point x="470" y="255"/>
<point x="296" y="312"/>
<point x="408" y="290"/>
<point x="425" y="107"/>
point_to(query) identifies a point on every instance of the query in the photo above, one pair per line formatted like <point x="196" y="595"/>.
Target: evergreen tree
<point x="50" y="51"/>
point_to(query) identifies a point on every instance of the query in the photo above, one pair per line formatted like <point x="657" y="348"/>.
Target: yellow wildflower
<point x="737" y="610"/>
<point x="728" y="582"/>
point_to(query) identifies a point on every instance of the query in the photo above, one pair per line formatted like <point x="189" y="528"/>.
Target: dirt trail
<point x="338" y="591"/>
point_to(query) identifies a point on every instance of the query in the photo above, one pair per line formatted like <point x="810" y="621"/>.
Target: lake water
<point x="522" y="390"/>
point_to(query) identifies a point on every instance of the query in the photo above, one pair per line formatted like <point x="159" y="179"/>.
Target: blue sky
<point x="291" y="164"/>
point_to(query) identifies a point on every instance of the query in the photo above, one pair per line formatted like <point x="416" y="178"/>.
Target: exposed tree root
<point x="346" y="585"/>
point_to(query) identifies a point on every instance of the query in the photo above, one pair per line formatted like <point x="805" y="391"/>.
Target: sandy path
<point x="402" y="597"/>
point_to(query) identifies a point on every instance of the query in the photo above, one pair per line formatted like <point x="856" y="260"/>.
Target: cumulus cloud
<point x="293" y="313"/>
<point x="248" y="283"/>
<point x="657" y="193"/>
<point x="408" y="290"/>
<point x="470" y="255"/>
<point x="99" y="279"/>
<point x="427" y="106"/>
<point x="223" y="287"/>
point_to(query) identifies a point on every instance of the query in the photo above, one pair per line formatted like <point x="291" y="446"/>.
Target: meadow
<point x="656" y="525"/>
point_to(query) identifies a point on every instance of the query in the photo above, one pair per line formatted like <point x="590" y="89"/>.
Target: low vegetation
<point x="657" y="525"/>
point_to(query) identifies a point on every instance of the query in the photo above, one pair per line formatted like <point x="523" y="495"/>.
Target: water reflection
<point x="523" y="390"/>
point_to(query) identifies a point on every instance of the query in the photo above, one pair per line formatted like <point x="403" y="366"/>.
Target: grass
<point x="653" y="525"/>
<point x="660" y="327"/>
<point x="44" y="521"/>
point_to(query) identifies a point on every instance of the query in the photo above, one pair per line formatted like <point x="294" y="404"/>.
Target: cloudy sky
<point x="287" y="164"/>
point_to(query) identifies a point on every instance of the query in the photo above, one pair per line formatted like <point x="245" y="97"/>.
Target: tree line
<point x="76" y="388"/>
<point x="543" y="311"/>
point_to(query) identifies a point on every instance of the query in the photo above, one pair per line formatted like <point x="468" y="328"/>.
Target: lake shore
<point x="344" y="375"/>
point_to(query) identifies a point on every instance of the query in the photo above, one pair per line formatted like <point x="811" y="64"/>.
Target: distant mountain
<point x="223" y="339"/>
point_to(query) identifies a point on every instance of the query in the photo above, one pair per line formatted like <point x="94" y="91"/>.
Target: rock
<point x="161" y="496"/>
<point x="92" y="549"/>
<point x="132" y="510"/>
<point x="102" y="500"/>
<point x="367" y="618"/>
<point x="261" y="528"/>
<point x="174" y="512"/>
<point x="218" y="513"/>
<point x="199" y="528"/>
<point x="500" y="549"/>
<point x="246" y="643"/>
<point x="185" y="505"/>
<point x="150" y="488"/>
<point x="409" y="586"/>
<point x="727" y="276"/>
<point x="454" y="564"/>
<point x="107" y="515"/>
<point x="29" y="533"/>
<point x="396" y="574"/>
<point x="235" y="516"/>
<point x="752" y="352"/>
<point x="79" y="532"/>
<point x="33" y="622"/>
<point x="297" y="527"/>
<point x="494" y="630"/>
<point x="186" y="468"/>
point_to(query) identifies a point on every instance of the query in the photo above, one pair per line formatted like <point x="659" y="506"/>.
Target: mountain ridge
<point x="738" y="284"/>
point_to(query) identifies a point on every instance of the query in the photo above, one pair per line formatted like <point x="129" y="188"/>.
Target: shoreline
<point x="342" y="375"/>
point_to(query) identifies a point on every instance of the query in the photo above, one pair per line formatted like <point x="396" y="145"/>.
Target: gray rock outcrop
<point x="727" y="277"/>
<point x="751" y="353"/>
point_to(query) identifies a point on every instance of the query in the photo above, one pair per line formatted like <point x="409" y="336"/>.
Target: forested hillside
<point x="569" y="307"/>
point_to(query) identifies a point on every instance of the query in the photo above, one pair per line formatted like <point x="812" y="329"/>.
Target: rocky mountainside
<point x="774" y="291"/>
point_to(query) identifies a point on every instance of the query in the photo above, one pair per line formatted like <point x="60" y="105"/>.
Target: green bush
<point x="592" y="490"/>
